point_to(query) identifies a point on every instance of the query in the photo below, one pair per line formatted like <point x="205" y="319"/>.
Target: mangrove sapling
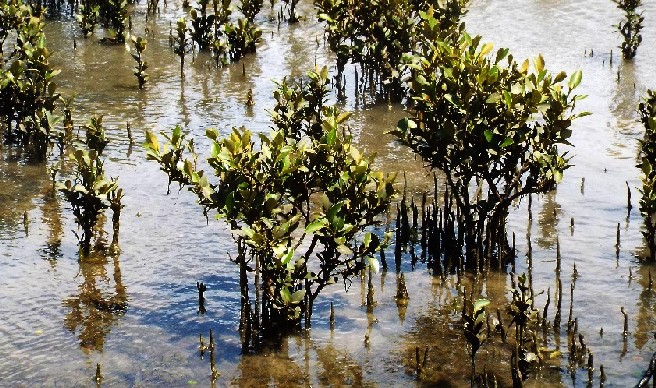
<point x="95" y="134"/>
<point x="202" y="25"/>
<point x="291" y="6"/>
<point x="488" y="126"/>
<point x="181" y="42"/>
<point x="118" y="16"/>
<point x="306" y="178"/>
<point x="630" y="27"/>
<point x="242" y="38"/>
<point x="115" y="198"/>
<point x="140" y="69"/>
<point x="250" y="9"/>
<point x="647" y="204"/>
<point x="525" y="319"/>
<point x="88" y="17"/>
<point x="475" y="329"/>
<point x="27" y="89"/>
<point x="88" y="193"/>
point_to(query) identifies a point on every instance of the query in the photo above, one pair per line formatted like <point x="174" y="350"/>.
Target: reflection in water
<point x="300" y="361"/>
<point x="97" y="306"/>
<point x="20" y="181"/>
<point x="52" y="217"/>
<point x="624" y="108"/>
<point x="548" y="221"/>
<point x="646" y="305"/>
<point x="338" y="369"/>
<point x="273" y="368"/>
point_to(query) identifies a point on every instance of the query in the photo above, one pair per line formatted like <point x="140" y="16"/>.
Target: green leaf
<point x="367" y="239"/>
<point x="297" y="296"/>
<point x="332" y="212"/>
<point x="151" y="141"/>
<point x="488" y="135"/>
<point x="215" y="149"/>
<point x="501" y="53"/>
<point x="559" y="77"/>
<point x="286" y="295"/>
<point x="558" y="176"/>
<point x="507" y="142"/>
<point x="315" y="225"/>
<point x="575" y="79"/>
<point x="480" y="303"/>
<point x="288" y="257"/>
<point x="493" y="99"/>
<point x="344" y="250"/>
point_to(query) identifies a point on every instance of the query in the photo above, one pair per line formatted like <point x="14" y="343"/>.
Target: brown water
<point x="135" y="312"/>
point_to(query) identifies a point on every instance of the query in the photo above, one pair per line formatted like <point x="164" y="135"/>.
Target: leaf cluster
<point x="250" y="8"/>
<point x="376" y="34"/>
<point x="229" y="40"/>
<point x="630" y="27"/>
<point x="475" y="328"/>
<point x="28" y="93"/>
<point x="89" y="192"/>
<point x="95" y="138"/>
<point x="647" y="110"/>
<point x="111" y="13"/>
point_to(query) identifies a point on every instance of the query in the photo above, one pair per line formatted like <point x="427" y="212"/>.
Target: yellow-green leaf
<point x="539" y="63"/>
<point x="487" y="47"/>
<point x="575" y="79"/>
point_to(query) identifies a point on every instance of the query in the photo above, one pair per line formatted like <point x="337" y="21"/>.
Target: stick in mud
<point x="571" y="226"/>
<point x="625" y="332"/>
<point x="130" y="138"/>
<point x="590" y="367"/>
<point x="201" y="298"/>
<point x="628" y="199"/>
<point x="546" y="307"/>
<point x="571" y="306"/>
<point x="558" y="256"/>
<point x="558" y="303"/>
<point x="583" y="186"/>
<point x="332" y="316"/>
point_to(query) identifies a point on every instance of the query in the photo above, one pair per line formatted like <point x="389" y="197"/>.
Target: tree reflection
<point x="272" y="367"/>
<point x="99" y="302"/>
<point x="52" y="218"/>
<point x="548" y="221"/>
<point x="646" y="317"/>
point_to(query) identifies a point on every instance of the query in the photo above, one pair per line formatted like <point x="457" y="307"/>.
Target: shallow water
<point x="135" y="313"/>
